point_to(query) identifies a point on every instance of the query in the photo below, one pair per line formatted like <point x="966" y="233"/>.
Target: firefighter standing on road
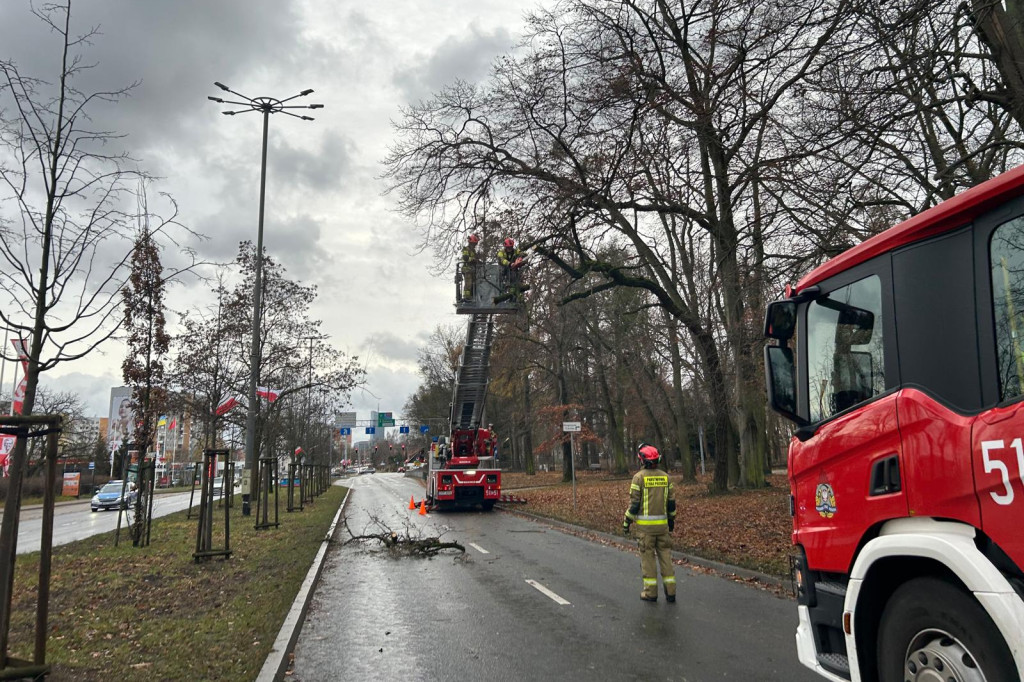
<point x="653" y="507"/>
<point x="469" y="260"/>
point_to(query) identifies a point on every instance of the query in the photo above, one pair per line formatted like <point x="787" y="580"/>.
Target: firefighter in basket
<point x="469" y="263"/>
<point x="653" y="507"/>
<point x="511" y="261"/>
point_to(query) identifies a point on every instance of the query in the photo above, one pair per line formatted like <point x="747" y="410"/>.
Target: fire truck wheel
<point x="931" y="630"/>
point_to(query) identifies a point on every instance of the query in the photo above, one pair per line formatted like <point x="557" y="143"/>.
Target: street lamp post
<point x="266" y="106"/>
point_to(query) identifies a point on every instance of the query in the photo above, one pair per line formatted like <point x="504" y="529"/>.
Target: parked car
<point x="109" y="496"/>
<point x="367" y="470"/>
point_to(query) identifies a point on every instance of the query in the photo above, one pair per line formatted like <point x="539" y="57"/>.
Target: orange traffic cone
<point x="412" y="504"/>
<point x="423" y="508"/>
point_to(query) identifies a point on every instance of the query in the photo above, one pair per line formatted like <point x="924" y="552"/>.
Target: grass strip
<point x="155" y="614"/>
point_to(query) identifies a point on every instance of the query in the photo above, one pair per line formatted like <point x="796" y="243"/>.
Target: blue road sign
<point x="424" y="428"/>
<point x="345" y="431"/>
<point x="92" y="465"/>
<point x="371" y="430"/>
<point x="403" y="429"/>
<point x="434" y="439"/>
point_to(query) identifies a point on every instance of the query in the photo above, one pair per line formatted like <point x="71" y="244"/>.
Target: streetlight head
<point x="316" y="106"/>
<point x="306" y="92"/>
<point x="307" y="118"/>
<point x="221" y="86"/>
<point x="216" y="99"/>
<point x="228" y="113"/>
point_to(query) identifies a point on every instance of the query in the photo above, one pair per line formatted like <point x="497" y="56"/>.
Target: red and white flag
<point x="269" y="393"/>
<point x="18" y="403"/>
<point x="174" y="422"/>
<point x="226" y="404"/>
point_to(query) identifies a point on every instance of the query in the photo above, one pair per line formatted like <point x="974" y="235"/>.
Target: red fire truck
<point x="455" y="478"/>
<point x="461" y="470"/>
<point x="901" y="363"/>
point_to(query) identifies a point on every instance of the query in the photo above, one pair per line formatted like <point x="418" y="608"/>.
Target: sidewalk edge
<point x="277" y="660"/>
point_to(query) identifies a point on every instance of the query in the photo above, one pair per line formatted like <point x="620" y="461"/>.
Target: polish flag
<point x="226" y="404"/>
<point x="269" y="393"/>
<point x="174" y="422"/>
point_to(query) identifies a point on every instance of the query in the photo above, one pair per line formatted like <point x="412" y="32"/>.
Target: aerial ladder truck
<point x="461" y="471"/>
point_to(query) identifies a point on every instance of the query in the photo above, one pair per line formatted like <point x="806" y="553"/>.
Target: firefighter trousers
<point x="655" y="553"/>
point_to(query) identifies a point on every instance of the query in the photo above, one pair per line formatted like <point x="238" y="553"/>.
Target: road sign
<point x="570" y="427"/>
<point x="371" y="430"/>
<point x="403" y="429"/>
<point x="385" y="419"/>
<point x="424" y="428"/>
<point x="92" y="465"/>
<point x="345" y="431"/>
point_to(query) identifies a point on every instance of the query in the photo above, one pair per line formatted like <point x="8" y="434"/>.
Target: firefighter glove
<point x="671" y="525"/>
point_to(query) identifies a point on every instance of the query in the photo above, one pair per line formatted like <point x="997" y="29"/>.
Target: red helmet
<point x="648" y="454"/>
<point x="473" y="239"/>
<point x="509" y="243"/>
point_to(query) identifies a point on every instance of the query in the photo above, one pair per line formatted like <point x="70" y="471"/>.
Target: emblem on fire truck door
<point x="825" y="500"/>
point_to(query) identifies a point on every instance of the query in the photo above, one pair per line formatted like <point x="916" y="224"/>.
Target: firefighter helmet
<point x="648" y="455"/>
<point x="473" y="239"/>
<point x="509" y="243"/>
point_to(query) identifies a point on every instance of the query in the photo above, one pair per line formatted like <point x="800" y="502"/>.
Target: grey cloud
<point x="388" y="346"/>
<point x="93" y="390"/>
<point x="463" y="57"/>
<point x="312" y="171"/>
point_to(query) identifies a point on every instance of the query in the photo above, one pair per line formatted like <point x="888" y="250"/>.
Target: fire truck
<point x="460" y="469"/>
<point x="901" y="363"/>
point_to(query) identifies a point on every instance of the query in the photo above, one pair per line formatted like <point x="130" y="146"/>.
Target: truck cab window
<point x="845" y="352"/>
<point x="1006" y="251"/>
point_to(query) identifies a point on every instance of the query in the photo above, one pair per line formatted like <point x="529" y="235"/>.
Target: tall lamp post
<point x="266" y="106"/>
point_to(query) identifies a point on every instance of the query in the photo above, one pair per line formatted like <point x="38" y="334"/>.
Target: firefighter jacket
<point x="469" y="256"/>
<point x="508" y="256"/>
<point x="651" y="502"/>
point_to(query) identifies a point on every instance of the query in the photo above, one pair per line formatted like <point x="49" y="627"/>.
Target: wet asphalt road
<point x="76" y="521"/>
<point x="476" y="617"/>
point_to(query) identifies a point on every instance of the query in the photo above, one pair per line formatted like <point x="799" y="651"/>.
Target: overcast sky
<point x="326" y="219"/>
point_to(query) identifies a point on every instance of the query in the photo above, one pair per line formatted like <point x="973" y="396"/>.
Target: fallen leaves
<point x="749" y="528"/>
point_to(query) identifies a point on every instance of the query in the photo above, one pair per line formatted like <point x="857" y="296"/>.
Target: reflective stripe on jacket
<point x="651" y="501"/>
<point x="506" y="257"/>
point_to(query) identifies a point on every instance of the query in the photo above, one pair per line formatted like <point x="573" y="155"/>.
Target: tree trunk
<point x="528" y="464"/>
<point x="682" y="432"/>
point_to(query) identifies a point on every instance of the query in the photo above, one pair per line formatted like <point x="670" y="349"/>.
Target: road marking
<point x="547" y="592"/>
<point x="478" y="548"/>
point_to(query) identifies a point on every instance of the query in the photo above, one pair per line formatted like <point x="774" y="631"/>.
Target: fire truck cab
<point x="901" y="362"/>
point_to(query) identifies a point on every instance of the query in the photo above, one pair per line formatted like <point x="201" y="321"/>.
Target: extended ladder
<point x="471" y="384"/>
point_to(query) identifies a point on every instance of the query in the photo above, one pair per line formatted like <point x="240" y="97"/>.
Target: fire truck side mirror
<point x="780" y="320"/>
<point x="780" y="374"/>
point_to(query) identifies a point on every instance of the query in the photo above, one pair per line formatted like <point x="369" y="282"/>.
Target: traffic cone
<point x="412" y="504"/>
<point x="423" y="508"/>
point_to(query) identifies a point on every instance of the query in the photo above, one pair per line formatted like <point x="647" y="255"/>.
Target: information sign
<point x="370" y="430"/>
<point x="571" y="427"/>
<point x="424" y="428"/>
<point x="403" y="429"/>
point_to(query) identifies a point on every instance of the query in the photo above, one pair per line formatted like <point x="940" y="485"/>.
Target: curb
<point x="277" y="660"/>
<point x="745" y="574"/>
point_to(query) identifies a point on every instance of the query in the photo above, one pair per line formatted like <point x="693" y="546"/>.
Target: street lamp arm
<point x="301" y="94"/>
<point x="304" y="118"/>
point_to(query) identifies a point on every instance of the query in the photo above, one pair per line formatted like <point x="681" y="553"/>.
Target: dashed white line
<point x="478" y="548"/>
<point x="545" y="591"/>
